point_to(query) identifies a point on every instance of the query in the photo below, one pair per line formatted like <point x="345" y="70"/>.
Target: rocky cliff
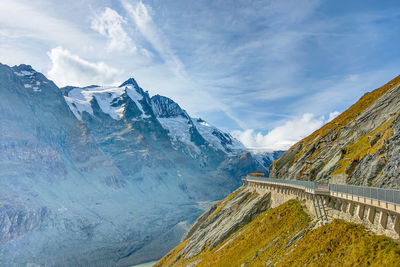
<point x="242" y="230"/>
<point x="361" y="146"/>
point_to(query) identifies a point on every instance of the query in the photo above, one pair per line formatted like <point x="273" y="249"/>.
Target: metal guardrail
<point x="305" y="184"/>
<point x="380" y="194"/>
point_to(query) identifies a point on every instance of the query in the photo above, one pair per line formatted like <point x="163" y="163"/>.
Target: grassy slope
<point x="343" y="244"/>
<point x="266" y="240"/>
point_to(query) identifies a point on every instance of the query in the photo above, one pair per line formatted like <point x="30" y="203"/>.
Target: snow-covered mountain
<point x="266" y="157"/>
<point x="103" y="176"/>
<point x="186" y="132"/>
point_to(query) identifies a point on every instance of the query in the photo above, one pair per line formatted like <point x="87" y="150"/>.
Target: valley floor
<point x="282" y="236"/>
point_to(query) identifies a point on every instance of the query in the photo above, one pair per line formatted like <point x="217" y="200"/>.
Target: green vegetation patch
<point x="365" y="145"/>
<point x="343" y="244"/>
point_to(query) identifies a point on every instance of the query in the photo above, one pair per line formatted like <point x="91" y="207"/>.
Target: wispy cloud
<point x="110" y="24"/>
<point x="70" y="69"/>
<point x="144" y="22"/>
<point x="25" y="20"/>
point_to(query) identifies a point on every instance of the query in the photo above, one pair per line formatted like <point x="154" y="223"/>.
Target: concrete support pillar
<point x="338" y="205"/>
<point x="332" y="203"/>
<point x="344" y="206"/>
<point x="383" y="218"/>
<point x="361" y="209"/>
<point x="397" y="224"/>
<point x="351" y="208"/>
<point x="371" y="214"/>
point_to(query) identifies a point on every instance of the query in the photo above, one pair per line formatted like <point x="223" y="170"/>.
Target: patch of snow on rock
<point x="79" y="99"/>
<point x="24" y="73"/>
<point x="178" y="128"/>
<point x="218" y="139"/>
<point x="135" y="96"/>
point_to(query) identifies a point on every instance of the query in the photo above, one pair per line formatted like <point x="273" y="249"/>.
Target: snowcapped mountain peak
<point x="111" y="100"/>
<point x="129" y="101"/>
<point x="130" y="81"/>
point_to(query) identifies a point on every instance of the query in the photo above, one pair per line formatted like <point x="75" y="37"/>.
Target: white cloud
<point x="144" y="22"/>
<point x="70" y="69"/>
<point x="26" y="20"/>
<point x="333" y="115"/>
<point x="284" y="136"/>
<point x="109" y="24"/>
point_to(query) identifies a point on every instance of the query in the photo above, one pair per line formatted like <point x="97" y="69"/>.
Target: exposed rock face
<point x="166" y="108"/>
<point x="360" y="146"/>
<point x="223" y="219"/>
<point x="103" y="176"/>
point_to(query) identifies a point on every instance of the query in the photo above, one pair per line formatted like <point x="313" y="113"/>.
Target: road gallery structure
<point x="376" y="208"/>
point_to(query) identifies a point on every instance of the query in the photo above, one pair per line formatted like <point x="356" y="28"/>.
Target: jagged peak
<point x="24" y="70"/>
<point x="130" y="81"/>
<point x="24" y="67"/>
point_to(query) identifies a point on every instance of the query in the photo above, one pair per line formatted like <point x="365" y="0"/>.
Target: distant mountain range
<point x="100" y="176"/>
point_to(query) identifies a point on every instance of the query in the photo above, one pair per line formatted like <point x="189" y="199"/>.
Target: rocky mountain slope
<point x="360" y="146"/>
<point x="242" y="230"/>
<point x="102" y="176"/>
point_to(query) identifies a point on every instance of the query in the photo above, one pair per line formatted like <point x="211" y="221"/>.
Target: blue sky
<point x="270" y="72"/>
